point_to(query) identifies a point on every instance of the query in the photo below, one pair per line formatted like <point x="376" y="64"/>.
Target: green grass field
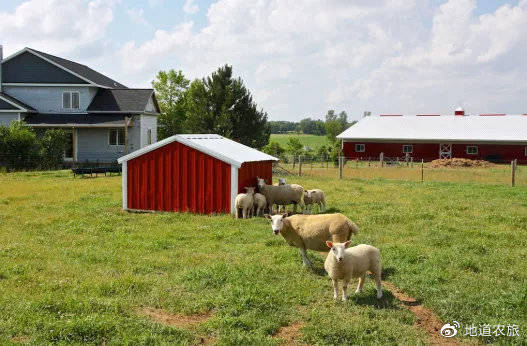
<point x="307" y="140"/>
<point x="74" y="268"/>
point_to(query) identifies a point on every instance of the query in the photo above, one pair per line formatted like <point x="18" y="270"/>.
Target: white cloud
<point x="137" y="16"/>
<point x="190" y="7"/>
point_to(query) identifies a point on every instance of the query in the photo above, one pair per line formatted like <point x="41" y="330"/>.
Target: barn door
<point x="445" y="151"/>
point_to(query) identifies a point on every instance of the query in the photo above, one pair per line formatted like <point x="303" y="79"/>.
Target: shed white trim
<point x="234" y="187"/>
<point x="217" y="146"/>
<point x="124" y="174"/>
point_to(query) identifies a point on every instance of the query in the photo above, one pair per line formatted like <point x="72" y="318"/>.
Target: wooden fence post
<point x="341" y="163"/>
<point x="299" y="165"/>
<point x="422" y="170"/>
<point x="513" y="172"/>
<point x="381" y="158"/>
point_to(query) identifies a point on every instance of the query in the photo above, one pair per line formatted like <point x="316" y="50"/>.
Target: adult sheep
<point x="317" y="197"/>
<point x="282" y="194"/>
<point x="310" y="232"/>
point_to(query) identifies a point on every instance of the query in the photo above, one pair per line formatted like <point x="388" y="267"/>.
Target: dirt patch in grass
<point x="440" y="163"/>
<point x="20" y="339"/>
<point x="178" y="320"/>
<point x="290" y="334"/>
<point x="426" y="318"/>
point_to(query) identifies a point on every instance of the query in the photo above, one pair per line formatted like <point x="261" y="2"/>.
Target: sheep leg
<point x="294" y="207"/>
<point x="305" y="260"/>
<point x="237" y="213"/>
<point x="361" y="283"/>
<point x="244" y="213"/>
<point x="379" y="288"/>
<point x="324" y="206"/>
<point x="344" y="290"/>
<point x="335" y="289"/>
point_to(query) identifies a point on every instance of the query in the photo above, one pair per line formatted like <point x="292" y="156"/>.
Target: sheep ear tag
<point x="346" y="244"/>
<point x="329" y="244"/>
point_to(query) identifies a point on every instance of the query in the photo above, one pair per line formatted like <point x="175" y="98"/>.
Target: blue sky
<point x="299" y="58"/>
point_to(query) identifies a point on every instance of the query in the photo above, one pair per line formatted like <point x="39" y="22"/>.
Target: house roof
<point x="75" y="120"/>
<point x="11" y="103"/>
<point x="121" y="100"/>
<point x="214" y="145"/>
<point x="449" y="128"/>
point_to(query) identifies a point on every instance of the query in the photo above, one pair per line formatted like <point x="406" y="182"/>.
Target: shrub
<point x="53" y="144"/>
<point x="19" y="146"/>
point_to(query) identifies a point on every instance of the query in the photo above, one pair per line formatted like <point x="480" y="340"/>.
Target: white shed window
<point x="116" y="137"/>
<point x="408" y="148"/>
<point x="71" y="100"/>
<point x="360" y="148"/>
<point x="149" y="136"/>
<point x="472" y="149"/>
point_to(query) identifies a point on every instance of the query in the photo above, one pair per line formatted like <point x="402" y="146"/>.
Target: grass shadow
<point x="387" y="272"/>
<point x="388" y="300"/>
<point x="333" y="210"/>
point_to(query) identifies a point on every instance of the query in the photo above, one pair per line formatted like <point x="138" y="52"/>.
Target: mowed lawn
<point x="311" y="141"/>
<point x="75" y="268"/>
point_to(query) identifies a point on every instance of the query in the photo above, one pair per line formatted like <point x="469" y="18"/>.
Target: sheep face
<point x="338" y="249"/>
<point x="277" y="222"/>
<point x="261" y="182"/>
<point x="281" y="181"/>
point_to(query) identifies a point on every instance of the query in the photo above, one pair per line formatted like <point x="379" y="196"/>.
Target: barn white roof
<point x="216" y="146"/>
<point x="448" y="128"/>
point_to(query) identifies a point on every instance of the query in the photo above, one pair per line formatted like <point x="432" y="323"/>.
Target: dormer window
<point x="70" y="100"/>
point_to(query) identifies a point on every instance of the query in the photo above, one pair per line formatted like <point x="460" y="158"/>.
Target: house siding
<point x="49" y="99"/>
<point x="148" y="122"/>
<point x="93" y="146"/>
<point x="29" y="68"/>
<point x="7" y="118"/>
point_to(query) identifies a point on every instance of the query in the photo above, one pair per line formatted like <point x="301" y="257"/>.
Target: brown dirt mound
<point x="426" y="319"/>
<point x="179" y="320"/>
<point x="455" y="163"/>
<point x="290" y="334"/>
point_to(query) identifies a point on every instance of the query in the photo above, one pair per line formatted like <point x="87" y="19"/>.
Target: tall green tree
<point x="171" y="87"/>
<point x="222" y="104"/>
<point x="52" y="146"/>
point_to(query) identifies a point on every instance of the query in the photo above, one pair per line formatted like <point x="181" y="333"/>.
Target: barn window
<point x="116" y="137"/>
<point x="472" y="149"/>
<point x="360" y="148"/>
<point x="408" y="149"/>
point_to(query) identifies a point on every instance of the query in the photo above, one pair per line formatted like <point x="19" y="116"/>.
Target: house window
<point x="408" y="149"/>
<point x="360" y="148"/>
<point x="70" y="100"/>
<point x="149" y="136"/>
<point x="116" y="137"/>
<point x="472" y="149"/>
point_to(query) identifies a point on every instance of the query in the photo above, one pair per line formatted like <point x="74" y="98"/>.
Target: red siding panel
<point x="179" y="178"/>
<point x="430" y="151"/>
<point x="249" y="171"/>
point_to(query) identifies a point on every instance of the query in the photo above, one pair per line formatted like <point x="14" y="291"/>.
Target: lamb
<point x="345" y="263"/>
<point x="244" y="201"/>
<point x="317" y="197"/>
<point x="310" y="232"/>
<point x="259" y="203"/>
<point x="283" y="194"/>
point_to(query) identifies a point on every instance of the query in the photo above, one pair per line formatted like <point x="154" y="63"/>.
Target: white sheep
<point x="310" y="232"/>
<point x="282" y="194"/>
<point x="259" y="203"/>
<point x="345" y="263"/>
<point x="317" y="197"/>
<point x="244" y="201"/>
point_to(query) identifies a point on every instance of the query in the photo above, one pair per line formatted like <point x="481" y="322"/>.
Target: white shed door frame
<point x="234" y="187"/>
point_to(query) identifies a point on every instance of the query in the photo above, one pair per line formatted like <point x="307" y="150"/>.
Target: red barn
<point x="492" y="137"/>
<point x="191" y="173"/>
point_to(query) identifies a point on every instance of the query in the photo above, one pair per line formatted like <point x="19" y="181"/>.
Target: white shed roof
<point x="474" y="128"/>
<point x="216" y="146"/>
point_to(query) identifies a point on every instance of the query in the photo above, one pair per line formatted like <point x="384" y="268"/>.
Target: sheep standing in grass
<point x="282" y="194"/>
<point x="259" y="203"/>
<point x="317" y="197"/>
<point x="345" y="263"/>
<point x="310" y="232"/>
<point x="244" y="201"/>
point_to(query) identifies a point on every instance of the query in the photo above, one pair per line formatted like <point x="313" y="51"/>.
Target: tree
<point x="335" y="124"/>
<point x="274" y="148"/>
<point x="19" y="146"/>
<point x="223" y="105"/>
<point x="294" y="146"/>
<point x="53" y="144"/>
<point x="171" y="87"/>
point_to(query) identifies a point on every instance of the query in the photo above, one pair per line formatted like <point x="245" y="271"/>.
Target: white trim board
<point x="234" y="187"/>
<point x="124" y="174"/>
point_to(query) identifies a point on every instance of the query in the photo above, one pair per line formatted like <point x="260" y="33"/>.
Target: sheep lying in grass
<point x="283" y="194"/>
<point x="345" y="263"/>
<point x="244" y="201"/>
<point x="317" y="197"/>
<point x="310" y="232"/>
<point x="259" y="203"/>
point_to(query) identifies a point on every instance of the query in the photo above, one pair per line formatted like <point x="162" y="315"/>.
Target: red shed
<point x="191" y="173"/>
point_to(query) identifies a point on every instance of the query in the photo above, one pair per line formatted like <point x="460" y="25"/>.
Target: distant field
<point x="307" y="140"/>
<point x="75" y="268"/>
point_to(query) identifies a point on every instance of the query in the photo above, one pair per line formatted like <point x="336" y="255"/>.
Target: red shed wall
<point x="430" y="151"/>
<point x="249" y="171"/>
<point x="176" y="177"/>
